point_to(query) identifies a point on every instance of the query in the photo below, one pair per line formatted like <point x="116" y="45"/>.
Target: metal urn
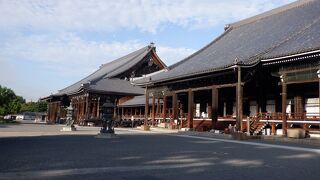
<point x="107" y="130"/>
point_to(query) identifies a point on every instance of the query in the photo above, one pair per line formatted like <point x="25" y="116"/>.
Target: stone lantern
<point x="69" y="120"/>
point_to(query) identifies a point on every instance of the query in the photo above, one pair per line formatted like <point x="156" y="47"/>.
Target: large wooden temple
<point x="112" y="80"/>
<point x="264" y="69"/>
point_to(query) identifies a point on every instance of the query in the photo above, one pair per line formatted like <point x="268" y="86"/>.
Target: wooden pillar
<point x="158" y="107"/>
<point x="98" y="107"/>
<point x="174" y="107"/>
<point x="87" y="107"/>
<point x="49" y="112"/>
<point x="210" y="107"/>
<point x="273" y="129"/>
<point x="78" y="109"/>
<point x="318" y="72"/>
<point x="122" y="113"/>
<point x="298" y="107"/>
<point x="164" y="111"/>
<point x="153" y="110"/>
<point x="284" y="105"/>
<point x="115" y="109"/>
<point x="239" y="101"/>
<point x="146" y="112"/>
<point x="53" y="112"/>
<point x="190" y="109"/>
<point x="94" y="108"/>
<point x="118" y="112"/>
<point x="215" y="109"/>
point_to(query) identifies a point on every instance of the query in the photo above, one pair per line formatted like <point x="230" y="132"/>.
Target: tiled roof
<point x="115" y="85"/>
<point x="137" y="101"/>
<point x="102" y="79"/>
<point x="287" y="30"/>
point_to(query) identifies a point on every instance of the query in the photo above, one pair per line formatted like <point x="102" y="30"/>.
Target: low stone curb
<point x="307" y="141"/>
<point x="205" y="134"/>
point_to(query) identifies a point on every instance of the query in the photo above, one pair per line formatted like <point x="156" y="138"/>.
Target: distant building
<point x="112" y="80"/>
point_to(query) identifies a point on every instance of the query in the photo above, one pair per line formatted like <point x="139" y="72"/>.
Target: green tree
<point x="40" y="106"/>
<point x="9" y="101"/>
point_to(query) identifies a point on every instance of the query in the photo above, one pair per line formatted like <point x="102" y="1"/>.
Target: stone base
<point x="68" y="128"/>
<point x="186" y="129"/>
<point x="172" y="126"/>
<point x="296" y="133"/>
<point x="146" y="128"/>
<point x="239" y="136"/>
<point x="106" y="135"/>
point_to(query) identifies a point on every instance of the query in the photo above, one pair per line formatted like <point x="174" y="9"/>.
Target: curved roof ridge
<point x="123" y="57"/>
<point x="104" y="66"/>
<point x="127" y="62"/>
<point x="269" y="13"/>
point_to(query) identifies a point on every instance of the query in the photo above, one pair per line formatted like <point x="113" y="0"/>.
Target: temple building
<point x="264" y="69"/>
<point x="112" y="80"/>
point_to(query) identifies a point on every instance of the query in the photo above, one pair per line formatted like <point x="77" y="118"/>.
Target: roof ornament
<point x="226" y="26"/>
<point x="236" y="61"/>
<point x="150" y="63"/>
<point x="151" y="46"/>
<point x="85" y="85"/>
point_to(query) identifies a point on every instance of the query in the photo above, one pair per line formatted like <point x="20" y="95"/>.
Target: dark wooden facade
<point x="266" y="93"/>
<point x="264" y="69"/>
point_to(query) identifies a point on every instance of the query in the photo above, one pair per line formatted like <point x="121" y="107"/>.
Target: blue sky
<point x="48" y="45"/>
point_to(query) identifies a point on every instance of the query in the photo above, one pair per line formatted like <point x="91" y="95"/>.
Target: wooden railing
<point x="290" y="116"/>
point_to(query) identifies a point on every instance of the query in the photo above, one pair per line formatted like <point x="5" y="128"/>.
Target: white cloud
<point x="145" y="15"/>
<point x="172" y="55"/>
<point x="62" y="59"/>
<point x="64" y="52"/>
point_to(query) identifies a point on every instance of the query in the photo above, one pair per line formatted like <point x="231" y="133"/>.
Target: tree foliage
<point x="10" y="103"/>
<point x="40" y="106"/>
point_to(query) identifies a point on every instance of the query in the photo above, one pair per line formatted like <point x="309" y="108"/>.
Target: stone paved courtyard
<point x="43" y="152"/>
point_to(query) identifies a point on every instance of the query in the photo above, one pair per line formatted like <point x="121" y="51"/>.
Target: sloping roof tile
<point x="137" y="101"/>
<point x="101" y="80"/>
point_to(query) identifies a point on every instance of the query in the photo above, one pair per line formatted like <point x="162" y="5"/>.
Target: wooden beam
<point x="209" y="87"/>
<point x="190" y="109"/>
<point x="302" y="81"/>
<point x="298" y="70"/>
